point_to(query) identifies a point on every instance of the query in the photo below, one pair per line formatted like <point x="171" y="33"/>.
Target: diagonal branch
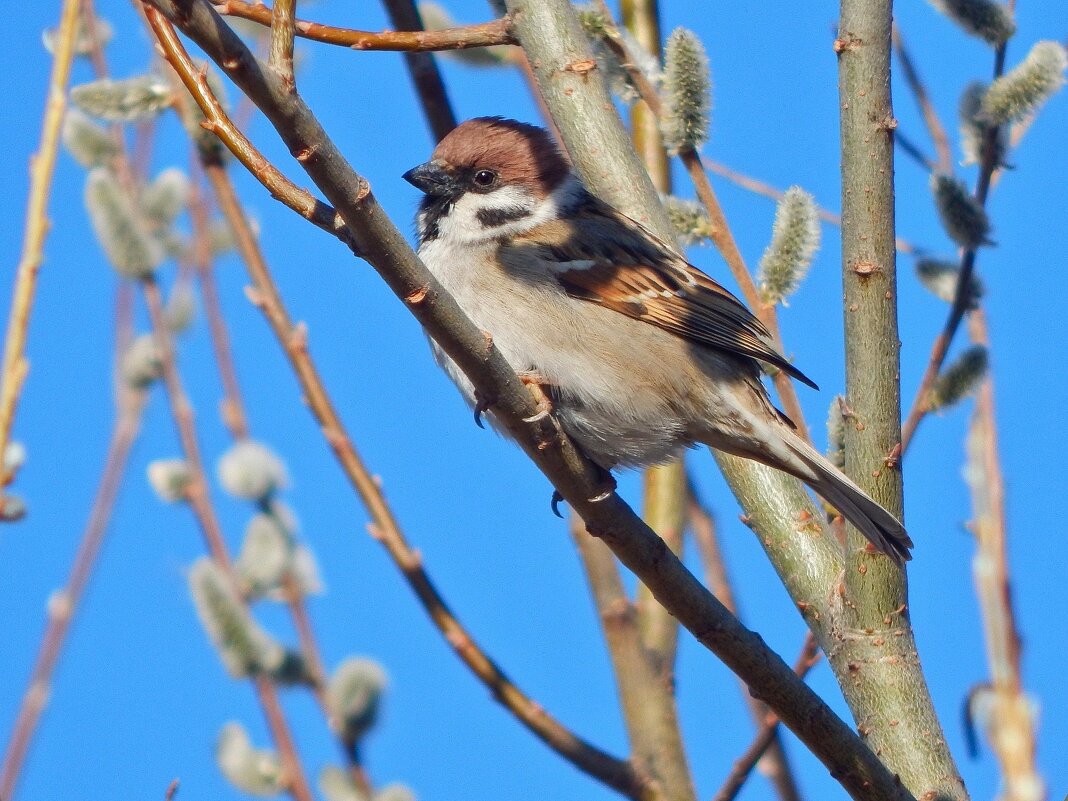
<point x="614" y="772"/>
<point x="487" y="34"/>
<point x="830" y="738"/>
<point x="930" y="115"/>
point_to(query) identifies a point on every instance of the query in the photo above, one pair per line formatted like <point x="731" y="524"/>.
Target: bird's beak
<point x="432" y="179"/>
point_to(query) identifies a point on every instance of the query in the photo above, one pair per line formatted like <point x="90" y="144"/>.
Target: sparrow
<point x="639" y="353"/>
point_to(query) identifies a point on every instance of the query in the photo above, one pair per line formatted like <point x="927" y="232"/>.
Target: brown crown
<point x="521" y="154"/>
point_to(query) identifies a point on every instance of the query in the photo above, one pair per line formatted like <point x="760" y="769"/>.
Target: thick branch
<point x="875" y="645"/>
<point x="574" y="476"/>
<point x="486" y="34"/>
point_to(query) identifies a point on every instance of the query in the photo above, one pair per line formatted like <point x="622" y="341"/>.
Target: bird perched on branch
<point x="639" y="352"/>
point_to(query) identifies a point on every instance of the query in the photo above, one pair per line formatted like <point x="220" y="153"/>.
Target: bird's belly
<point x="618" y="386"/>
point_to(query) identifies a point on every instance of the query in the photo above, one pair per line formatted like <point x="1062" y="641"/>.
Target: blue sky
<point x="140" y="695"/>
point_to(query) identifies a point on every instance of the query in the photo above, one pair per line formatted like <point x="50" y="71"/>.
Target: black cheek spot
<point x="495" y="218"/>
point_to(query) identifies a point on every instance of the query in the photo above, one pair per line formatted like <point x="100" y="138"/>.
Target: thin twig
<point x="424" y="72"/>
<point x="765" y="189"/>
<point x="646" y="702"/>
<point x="197" y="496"/>
<point x="280" y="58"/>
<point x="233" y="407"/>
<point x="766" y="736"/>
<point x="42" y="165"/>
<point x="486" y="34"/>
<point x="989" y="166"/>
<point x="64" y="603"/>
<point x="930" y="115"/>
<point x="1010" y="723"/>
<point x="703" y="529"/>
<point x="574" y="476"/>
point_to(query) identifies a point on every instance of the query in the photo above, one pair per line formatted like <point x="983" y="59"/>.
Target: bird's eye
<point x="485" y="178"/>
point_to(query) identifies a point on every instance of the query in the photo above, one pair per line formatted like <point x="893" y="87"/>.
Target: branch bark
<point x="876" y="649"/>
<point x="550" y="27"/>
<point x="487" y="34"/>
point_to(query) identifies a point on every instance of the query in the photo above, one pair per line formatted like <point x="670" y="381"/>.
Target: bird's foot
<point x="539" y="388"/>
<point x="606" y="485"/>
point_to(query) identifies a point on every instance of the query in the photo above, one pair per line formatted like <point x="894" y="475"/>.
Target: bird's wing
<point x="604" y="257"/>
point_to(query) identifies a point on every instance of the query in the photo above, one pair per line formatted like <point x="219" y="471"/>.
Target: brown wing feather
<point x="640" y="276"/>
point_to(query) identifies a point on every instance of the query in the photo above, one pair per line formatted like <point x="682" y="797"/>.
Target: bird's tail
<point x="881" y="528"/>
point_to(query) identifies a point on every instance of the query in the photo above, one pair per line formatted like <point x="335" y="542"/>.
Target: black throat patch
<point x="432" y="209"/>
<point x="495" y="218"/>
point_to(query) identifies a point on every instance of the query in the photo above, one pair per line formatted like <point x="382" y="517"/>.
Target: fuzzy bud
<point x="251" y="471"/>
<point x="141" y="365"/>
<point x="84" y="39"/>
<point x="990" y="21"/>
<point x="254" y="771"/>
<point x="976" y="127"/>
<point x="132" y="251"/>
<point x="170" y="478"/>
<point x="266" y="555"/>
<point x="354" y="694"/>
<point x="435" y="18"/>
<point x="90" y="144"/>
<point x="165" y="198"/>
<point x="336" y="785"/>
<point x="394" y="792"/>
<point x="689" y="220"/>
<point x="940" y="278"/>
<point x="14" y="457"/>
<point x="128" y="100"/>
<point x="1024" y="90"/>
<point x="687" y="92"/>
<point x="836" y="433"/>
<point x="12" y="508"/>
<point x="245" y="648"/>
<point x="958" y="380"/>
<point x="795" y="237"/>
<point x="964" y="220"/>
<point x="181" y="308"/>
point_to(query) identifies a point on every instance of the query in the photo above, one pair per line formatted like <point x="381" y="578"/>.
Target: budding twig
<point x="15" y="365"/>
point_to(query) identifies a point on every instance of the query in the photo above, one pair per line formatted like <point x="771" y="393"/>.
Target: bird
<point x="638" y="353"/>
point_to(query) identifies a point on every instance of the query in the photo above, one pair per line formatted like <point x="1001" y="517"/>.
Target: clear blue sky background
<point x="140" y="695"/>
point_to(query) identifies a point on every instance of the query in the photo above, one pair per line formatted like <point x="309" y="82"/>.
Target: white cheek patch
<point x="507" y="211"/>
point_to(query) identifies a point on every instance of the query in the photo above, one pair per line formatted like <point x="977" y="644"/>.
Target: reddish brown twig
<point x="1010" y="723"/>
<point x="702" y="527"/>
<point x="196" y="495"/>
<point x="930" y="115"/>
<point x="988" y="166"/>
<point x="487" y="34"/>
<point x="764" y="738"/>
<point x="63" y="603"/>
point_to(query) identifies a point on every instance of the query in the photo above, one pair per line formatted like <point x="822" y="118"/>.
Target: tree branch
<point x="42" y="165"/>
<point x="876" y="645"/>
<point x="919" y="91"/>
<point x="1010" y="723"/>
<point x="574" y="476"/>
<point x="487" y="34"/>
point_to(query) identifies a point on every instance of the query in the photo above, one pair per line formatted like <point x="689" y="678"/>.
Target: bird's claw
<point x="482" y="404"/>
<point x="555" y="503"/>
